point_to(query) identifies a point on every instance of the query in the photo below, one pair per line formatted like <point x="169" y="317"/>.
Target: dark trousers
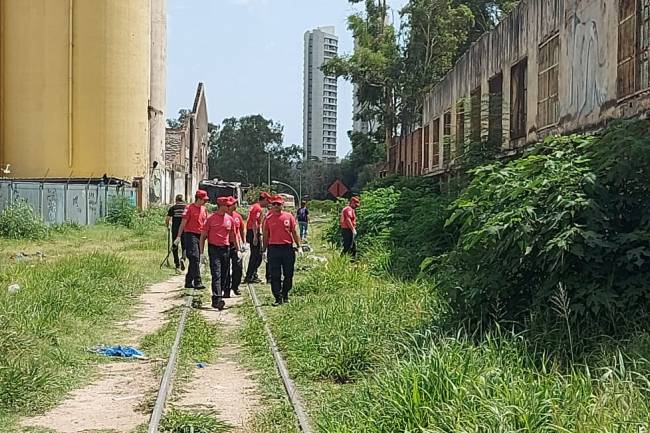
<point x="282" y="259"/>
<point x="234" y="278"/>
<point x="219" y="268"/>
<point x="255" y="259"/>
<point x="349" y="244"/>
<point x="193" y="277"/>
<point x="177" y="260"/>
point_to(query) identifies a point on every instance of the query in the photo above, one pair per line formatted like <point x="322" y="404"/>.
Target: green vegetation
<point x="512" y="298"/>
<point x="18" y="221"/>
<point x="199" y="344"/>
<point x="277" y="414"/>
<point x="176" y="421"/>
<point x="46" y="325"/>
<point x="60" y="295"/>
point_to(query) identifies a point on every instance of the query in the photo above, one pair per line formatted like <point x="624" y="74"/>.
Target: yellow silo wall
<point x="75" y="87"/>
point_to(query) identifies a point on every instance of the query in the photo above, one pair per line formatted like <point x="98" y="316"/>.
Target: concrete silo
<point x="74" y="87"/>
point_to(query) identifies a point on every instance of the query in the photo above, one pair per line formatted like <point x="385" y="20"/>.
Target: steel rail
<point x="292" y="393"/>
<point x="168" y="376"/>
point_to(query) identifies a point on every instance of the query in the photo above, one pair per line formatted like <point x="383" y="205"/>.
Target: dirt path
<point x="110" y="402"/>
<point x="224" y="386"/>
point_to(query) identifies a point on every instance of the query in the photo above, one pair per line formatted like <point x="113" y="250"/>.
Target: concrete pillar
<point x="157" y="100"/>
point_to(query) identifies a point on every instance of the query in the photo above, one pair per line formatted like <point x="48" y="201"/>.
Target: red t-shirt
<point x="238" y="220"/>
<point x="195" y="217"/>
<point x="254" y="215"/>
<point x="348" y="212"/>
<point x="218" y="228"/>
<point x="280" y="227"/>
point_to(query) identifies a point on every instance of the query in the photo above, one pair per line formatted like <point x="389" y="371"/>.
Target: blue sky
<point x="249" y="54"/>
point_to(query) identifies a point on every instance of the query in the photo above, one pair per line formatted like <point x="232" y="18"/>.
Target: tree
<point x="183" y="114"/>
<point x="434" y="31"/>
<point x="239" y="150"/>
<point x="374" y="66"/>
<point x="487" y="14"/>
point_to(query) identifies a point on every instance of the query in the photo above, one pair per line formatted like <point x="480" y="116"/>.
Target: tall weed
<point x="45" y="326"/>
<point x="18" y="221"/>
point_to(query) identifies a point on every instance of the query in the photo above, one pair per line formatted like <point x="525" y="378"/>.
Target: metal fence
<point x="60" y="202"/>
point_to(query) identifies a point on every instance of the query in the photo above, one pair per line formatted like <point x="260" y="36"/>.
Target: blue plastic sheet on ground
<point x="118" y="351"/>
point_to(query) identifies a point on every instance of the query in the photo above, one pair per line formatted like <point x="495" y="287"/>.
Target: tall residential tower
<point x="320" y="96"/>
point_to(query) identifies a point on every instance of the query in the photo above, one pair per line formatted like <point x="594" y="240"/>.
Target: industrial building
<point x="550" y="67"/>
<point x="82" y="91"/>
<point x="320" y="96"/>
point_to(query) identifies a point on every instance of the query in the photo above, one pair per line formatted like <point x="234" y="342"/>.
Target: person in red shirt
<point x="253" y="235"/>
<point x="280" y="235"/>
<point x="193" y="219"/>
<point x="234" y="278"/>
<point x="219" y="230"/>
<point x="348" y="222"/>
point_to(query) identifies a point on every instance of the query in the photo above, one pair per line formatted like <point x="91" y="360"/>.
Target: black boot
<point x="218" y="303"/>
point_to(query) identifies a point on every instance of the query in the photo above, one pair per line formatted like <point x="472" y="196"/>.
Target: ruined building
<point x="186" y="151"/>
<point x="550" y="67"/>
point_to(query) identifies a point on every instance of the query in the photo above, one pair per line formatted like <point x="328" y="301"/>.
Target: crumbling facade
<point x="550" y="67"/>
<point x="186" y="151"/>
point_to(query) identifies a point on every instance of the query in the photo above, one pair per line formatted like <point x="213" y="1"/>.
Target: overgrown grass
<point x="199" y="344"/>
<point x="453" y="384"/>
<point x="45" y="327"/>
<point x="72" y="285"/>
<point x="372" y="354"/>
<point x="176" y="421"/>
<point x="349" y="319"/>
<point x="277" y="414"/>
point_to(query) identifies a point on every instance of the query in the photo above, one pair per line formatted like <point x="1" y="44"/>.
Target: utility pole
<point x="269" y="172"/>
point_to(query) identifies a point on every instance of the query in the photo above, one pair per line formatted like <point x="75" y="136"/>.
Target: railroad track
<point x="165" y="387"/>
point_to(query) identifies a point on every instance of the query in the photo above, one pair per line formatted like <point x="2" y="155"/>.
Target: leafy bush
<point x="18" y="221"/>
<point x="121" y="211"/>
<point x="574" y="214"/>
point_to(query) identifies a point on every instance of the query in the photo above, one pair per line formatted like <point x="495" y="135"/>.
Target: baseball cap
<point x="265" y="195"/>
<point x="355" y="199"/>
<point x="201" y="194"/>
<point x="226" y="201"/>
<point x="276" y="199"/>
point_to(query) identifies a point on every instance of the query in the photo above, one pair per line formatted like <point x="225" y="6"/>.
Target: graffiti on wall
<point x="51" y="200"/>
<point x="587" y="85"/>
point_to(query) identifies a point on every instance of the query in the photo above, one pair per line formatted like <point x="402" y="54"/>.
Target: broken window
<point x="633" y="46"/>
<point x="518" y="94"/>
<point x="475" y="98"/>
<point x="446" y="138"/>
<point x="547" y="92"/>
<point x="460" y="126"/>
<point x="495" y="109"/>
<point x="427" y="143"/>
<point x="435" y="142"/>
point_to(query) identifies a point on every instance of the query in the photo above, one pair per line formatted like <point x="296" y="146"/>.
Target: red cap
<point x="277" y="199"/>
<point x="266" y="195"/>
<point x="201" y="194"/>
<point x="226" y="201"/>
<point x="355" y="199"/>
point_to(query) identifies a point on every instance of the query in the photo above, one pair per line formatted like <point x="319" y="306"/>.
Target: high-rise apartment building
<point x="320" y="96"/>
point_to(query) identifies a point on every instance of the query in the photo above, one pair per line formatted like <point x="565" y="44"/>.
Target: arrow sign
<point x="338" y="189"/>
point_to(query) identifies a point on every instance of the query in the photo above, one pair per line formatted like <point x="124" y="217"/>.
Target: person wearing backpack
<point x="302" y="215"/>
